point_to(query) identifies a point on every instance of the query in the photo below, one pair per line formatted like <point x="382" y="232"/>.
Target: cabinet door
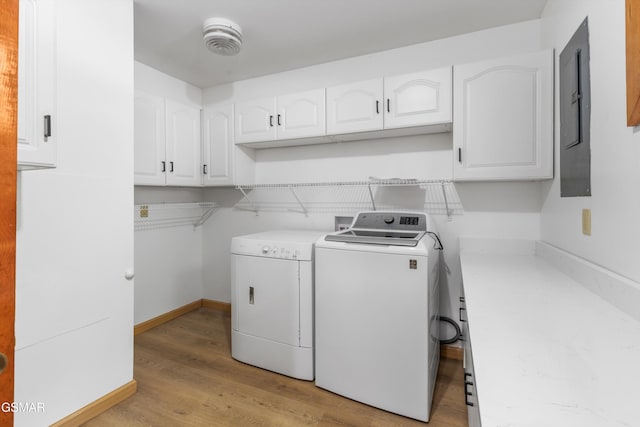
<point x="183" y="144"/>
<point x="355" y="107"/>
<point x="218" y="145"/>
<point x="36" y="84"/>
<point x="301" y="115"/>
<point x="149" y="139"/>
<point x="418" y="99"/>
<point x="255" y="120"/>
<point x="503" y="119"/>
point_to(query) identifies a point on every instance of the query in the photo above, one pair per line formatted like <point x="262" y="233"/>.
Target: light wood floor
<point x="186" y="377"/>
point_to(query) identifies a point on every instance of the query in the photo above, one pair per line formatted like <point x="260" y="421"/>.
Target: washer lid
<point x="377" y="237"/>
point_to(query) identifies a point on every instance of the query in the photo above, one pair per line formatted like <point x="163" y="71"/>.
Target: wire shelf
<point x="438" y="197"/>
<point x="162" y="215"/>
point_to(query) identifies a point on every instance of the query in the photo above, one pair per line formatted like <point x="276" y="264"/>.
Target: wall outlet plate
<point x="343" y="222"/>
<point x="586" y="222"/>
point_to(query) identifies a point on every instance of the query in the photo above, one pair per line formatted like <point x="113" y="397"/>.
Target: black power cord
<point x="437" y="243"/>
<point x="458" y="334"/>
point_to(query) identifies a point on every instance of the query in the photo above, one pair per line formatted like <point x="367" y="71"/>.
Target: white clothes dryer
<point x="272" y="301"/>
<point x="376" y="311"/>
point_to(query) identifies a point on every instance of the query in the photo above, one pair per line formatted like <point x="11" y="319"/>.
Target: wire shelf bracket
<point x="304" y="209"/>
<point x="162" y="215"/>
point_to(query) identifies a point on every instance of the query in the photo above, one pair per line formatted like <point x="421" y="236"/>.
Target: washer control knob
<point x="388" y="220"/>
<point x="265" y="249"/>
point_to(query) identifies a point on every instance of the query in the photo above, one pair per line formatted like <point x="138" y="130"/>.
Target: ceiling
<point x="280" y="35"/>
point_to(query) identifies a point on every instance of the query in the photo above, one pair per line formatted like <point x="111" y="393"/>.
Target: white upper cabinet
<point x="166" y="142"/>
<point x="255" y="120"/>
<point x="503" y="119"/>
<point x="36" y="85"/>
<point x="301" y="115"/>
<point x="418" y="99"/>
<point x="183" y="144"/>
<point x="218" y="148"/>
<point x="409" y="100"/>
<point x="149" y="136"/>
<point x="355" y="107"/>
<point x="298" y="115"/>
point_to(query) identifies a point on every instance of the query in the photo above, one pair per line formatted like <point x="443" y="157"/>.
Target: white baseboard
<point x="618" y="290"/>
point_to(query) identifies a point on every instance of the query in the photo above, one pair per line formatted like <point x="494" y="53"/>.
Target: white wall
<point x="491" y="209"/>
<point x="153" y="81"/>
<point x="74" y="308"/>
<point x="615" y="148"/>
<point x="168" y="260"/>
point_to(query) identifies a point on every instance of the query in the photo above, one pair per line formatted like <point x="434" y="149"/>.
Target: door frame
<point x="8" y="174"/>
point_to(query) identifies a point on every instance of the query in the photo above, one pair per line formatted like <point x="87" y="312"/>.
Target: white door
<point x="266" y="298"/>
<point x="418" y="99"/>
<point x="183" y="144"/>
<point x="301" y="115"/>
<point x="255" y="120"/>
<point x="36" y="83"/>
<point x="355" y="107"/>
<point x="218" y="145"/>
<point x="503" y="119"/>
<point x="149" y="139"/>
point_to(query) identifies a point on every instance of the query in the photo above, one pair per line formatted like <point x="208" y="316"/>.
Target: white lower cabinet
<point x="37" y="141"/>
<point x="503" y="119"/>
<point x="166" y="142"/>
<point x="217" y="145"/>
<point x="470" y="387"/>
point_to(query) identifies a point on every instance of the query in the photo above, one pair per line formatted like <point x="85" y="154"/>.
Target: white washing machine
<point x="376" y="311"/>
<point x="272" y="301"/>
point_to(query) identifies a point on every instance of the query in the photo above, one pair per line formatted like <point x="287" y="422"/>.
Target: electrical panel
<point x="575" y="116"/>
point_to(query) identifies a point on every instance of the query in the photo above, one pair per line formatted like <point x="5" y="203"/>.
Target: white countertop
<point x="547" y="351"/>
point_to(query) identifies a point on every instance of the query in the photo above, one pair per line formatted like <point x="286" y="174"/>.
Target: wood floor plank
<point x="187" y="377"/>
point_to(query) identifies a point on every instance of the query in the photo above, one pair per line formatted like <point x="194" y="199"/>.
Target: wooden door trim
<point x="8" y="160"/>
<point x="633" y="61"/>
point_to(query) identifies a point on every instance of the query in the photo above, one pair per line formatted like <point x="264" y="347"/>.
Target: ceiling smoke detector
<point x="222" y="36"/>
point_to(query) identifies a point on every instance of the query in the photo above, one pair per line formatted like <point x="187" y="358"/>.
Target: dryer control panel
<point x="281" y="244"/>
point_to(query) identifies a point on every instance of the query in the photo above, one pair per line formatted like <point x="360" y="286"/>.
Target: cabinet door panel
<point x="301" y="115"/>
<point x="255" y="120"/>
<point x="149" y="139"/>
<point x="418" y="99"/>
<point x="503" y="124"/>
<point x="36" y="83"/>
<point x="355" y="107"/>
<point x="218" y="144"/>
<point x="183" y="144"/>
